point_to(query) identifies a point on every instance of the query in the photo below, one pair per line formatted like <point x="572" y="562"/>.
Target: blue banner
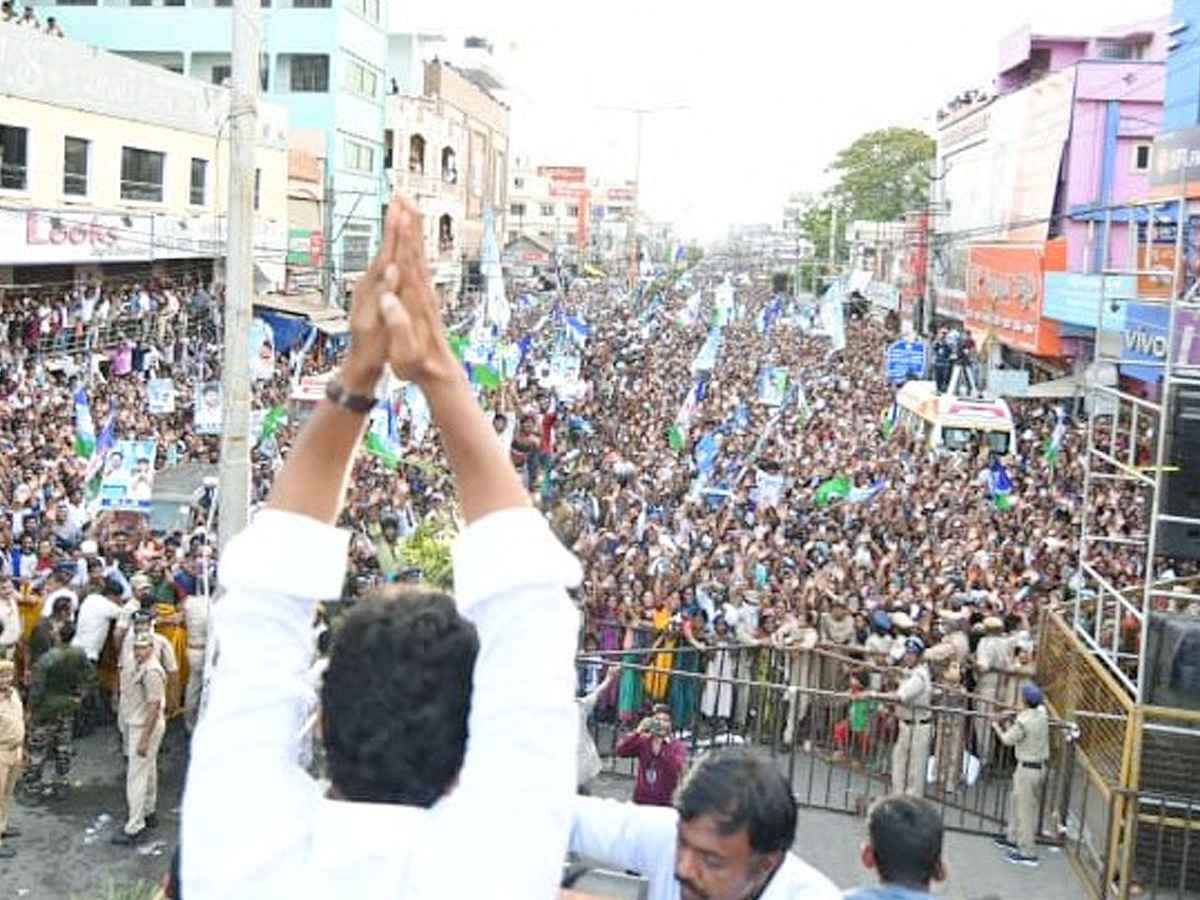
<point x="1073" y="298"/>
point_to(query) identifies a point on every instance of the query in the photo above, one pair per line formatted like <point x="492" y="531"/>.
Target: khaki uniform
<point x="799" y="642"/>
<point x="12" y="742"/>
<point x="1029" y="736"/>
<point x="991" y="658"/>
<point x="142" y="686"/>
<point x="910" y="755"/>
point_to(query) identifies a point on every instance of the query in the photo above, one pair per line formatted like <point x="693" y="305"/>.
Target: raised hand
<point x="417" y="348"/>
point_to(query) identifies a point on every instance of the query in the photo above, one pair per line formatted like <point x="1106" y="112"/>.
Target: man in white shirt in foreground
<point x="728" y="837"/>
<point x="417" y="809"/>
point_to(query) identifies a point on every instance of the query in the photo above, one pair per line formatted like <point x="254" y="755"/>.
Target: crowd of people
<point x="28" y="19"/>
<point x="709" y="547"/>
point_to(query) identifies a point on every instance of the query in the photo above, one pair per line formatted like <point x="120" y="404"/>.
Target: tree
<point x="816" y="217"/>
<point x="884" y="174"/>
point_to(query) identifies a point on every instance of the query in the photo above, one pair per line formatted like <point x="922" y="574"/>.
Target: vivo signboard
<point x="1144" y="349"/>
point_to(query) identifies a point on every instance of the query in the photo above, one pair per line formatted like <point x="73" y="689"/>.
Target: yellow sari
<point x="658" y="680"/>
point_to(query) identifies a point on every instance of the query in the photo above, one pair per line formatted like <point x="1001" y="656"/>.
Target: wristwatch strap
<point x="336" y="393"/>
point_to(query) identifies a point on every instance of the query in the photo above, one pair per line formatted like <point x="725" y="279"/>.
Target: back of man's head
<point x="740" y="787"/>
<point x="905" y="841"/>
<point x="396" y="696"/>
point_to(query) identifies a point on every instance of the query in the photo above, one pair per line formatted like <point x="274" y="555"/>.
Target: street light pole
<point x="641" y="112"/>
<point x="233" y="491"/>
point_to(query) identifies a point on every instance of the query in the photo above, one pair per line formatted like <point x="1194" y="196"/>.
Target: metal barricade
<point x="836" y="746"/>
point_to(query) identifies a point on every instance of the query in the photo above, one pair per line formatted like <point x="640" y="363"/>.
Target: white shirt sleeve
<point x="509" y="575"/>
<point x="246" y="790"/>
<point x="244" y="781"/>
<point x="628" y="837"/>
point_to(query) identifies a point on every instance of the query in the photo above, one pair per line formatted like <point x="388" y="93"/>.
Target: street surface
<point x="65" y="852"/>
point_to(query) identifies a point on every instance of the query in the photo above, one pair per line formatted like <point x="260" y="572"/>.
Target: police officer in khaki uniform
<point x="1029" y="736"/>
<point x="913" y="697"/>
<point x="12" y="750"/>
<point x="143" y="720"/>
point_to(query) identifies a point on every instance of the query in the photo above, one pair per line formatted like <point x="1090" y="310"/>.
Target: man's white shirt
<point x="642" y="839"/>
<point x="255" y="825"/>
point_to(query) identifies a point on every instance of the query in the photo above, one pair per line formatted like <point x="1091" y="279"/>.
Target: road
<point x="65" y="852"/>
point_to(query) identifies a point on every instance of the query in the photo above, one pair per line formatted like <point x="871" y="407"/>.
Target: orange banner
<point x="1160" y="259"/>
<point x="1004" y="295"/>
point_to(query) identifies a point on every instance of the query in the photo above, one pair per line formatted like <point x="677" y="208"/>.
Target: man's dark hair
<point x="396" y="696"/>
<point x="906" y="835"/>
<point x="741" y="787"/>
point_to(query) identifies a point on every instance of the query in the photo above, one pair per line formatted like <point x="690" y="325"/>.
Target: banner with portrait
<point x="206" y="417"/>
<point x="160" y="396"/>
<point x="262" y="351"/>
<point x="127" y="476"/>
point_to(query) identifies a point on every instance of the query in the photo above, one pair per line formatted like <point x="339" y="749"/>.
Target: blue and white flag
<point x="706" y="453"/>
<point x="577" y="330"/>
<point x="768" y="488"/>
<point x="863" y="495"/>
<point x="833" y="317"/>
<point x="1000" y="486"/>
<point x="706" y="359"/>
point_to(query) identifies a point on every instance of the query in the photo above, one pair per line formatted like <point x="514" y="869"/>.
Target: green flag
<point x="833" y="489"/>
<point x="274" y="417"/>
<point x="485" y="377"/>
<point x="675" y="438"/>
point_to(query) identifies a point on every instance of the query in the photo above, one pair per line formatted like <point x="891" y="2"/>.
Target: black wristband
<point x="336" y="393"/>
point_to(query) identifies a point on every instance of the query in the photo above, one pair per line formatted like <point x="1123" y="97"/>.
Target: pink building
<point x="1052" y="156"/>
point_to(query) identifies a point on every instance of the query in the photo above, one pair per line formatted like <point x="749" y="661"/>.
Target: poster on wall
<point x="206" y="418"/>
<point x="127" y="476"/>
<point x="262" y="351"/>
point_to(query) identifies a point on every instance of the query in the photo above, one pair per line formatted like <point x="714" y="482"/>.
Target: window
<point x="76" y="2"/>
<point x="389" y="139"/>
<point x="1115" y="50"/>
<point x="368" y="9"/>
<point x="142" y="174"/>
<point x="310" y="73"/>
<point x="198" y="183"/>
<point x="572" y="211"/>
<point x="518" y="184"/>
<point x="360" y="79"/>
<point x="547" y="209"/>
<point x="222" y="75"/>
<point x="516" y="209"/>
<point x="1141" y="157"/>
<point x="310" y="4"/>
<point x="14" y="159"/>
<point x="360" y="157"/>
<point x="75" y="166"/>
<point x="257" y="188"/>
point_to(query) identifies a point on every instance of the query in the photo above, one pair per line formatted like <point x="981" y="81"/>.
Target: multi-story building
<point x="578" y="217"/>
<point x="114" y="167"/>
<point x="1031" y="190"/>
<point x="447" y="147"/>
<point x="323" y="62"/>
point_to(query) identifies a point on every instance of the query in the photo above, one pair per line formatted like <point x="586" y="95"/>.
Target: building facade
<point x="323" y="63"/>
<point x="448" y="149"/>
<point x="580" y="217"/>
<point x="111" y="166"/>
<point x="1032" y="187"/>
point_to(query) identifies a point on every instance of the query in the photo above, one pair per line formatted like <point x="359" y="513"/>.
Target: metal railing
<point x="154" y="328"/>
<point x="836" y="745"/>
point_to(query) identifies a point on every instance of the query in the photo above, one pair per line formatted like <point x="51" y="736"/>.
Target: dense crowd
<point x="692" y="564"/>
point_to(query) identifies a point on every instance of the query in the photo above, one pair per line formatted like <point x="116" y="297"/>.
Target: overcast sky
<point x="773" y="89"/>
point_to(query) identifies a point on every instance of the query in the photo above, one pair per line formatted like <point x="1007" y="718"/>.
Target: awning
<point x="1057" y="388"/>
<point x="332" y="327"/>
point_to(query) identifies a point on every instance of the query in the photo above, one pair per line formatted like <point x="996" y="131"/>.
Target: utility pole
<point x="637" y="194"/>
<point x="641" y="112"/>
<point x="327" y="240"/>
<point x="233" y="488"/>
<point x="833" y="224"/>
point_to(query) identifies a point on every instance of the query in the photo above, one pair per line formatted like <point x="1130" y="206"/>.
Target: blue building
<point x="322" y="60"/>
